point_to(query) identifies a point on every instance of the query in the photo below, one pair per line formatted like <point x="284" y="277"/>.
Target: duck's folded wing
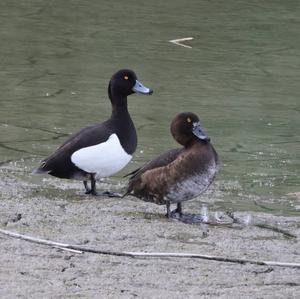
<point x="59" y="163"/>
<point x="162" y="160"/>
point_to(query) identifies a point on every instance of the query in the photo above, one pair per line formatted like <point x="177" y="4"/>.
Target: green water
<point x="241" y="76"/>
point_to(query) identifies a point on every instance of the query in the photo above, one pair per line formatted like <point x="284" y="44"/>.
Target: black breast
<point x="123" y="126"/>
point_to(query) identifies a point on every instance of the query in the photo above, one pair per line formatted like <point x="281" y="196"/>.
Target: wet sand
<point x="58" y="210"/>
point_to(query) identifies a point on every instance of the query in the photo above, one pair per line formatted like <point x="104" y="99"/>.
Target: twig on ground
<point x="68" y="249"/>
<point x="275" y="229"/>
<point x="80" y="248"/>
<point x="263" y="225"/>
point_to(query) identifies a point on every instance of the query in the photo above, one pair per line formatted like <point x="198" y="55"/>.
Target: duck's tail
<point x="40" y="170"/>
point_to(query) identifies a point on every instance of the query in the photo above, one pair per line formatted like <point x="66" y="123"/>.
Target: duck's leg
<point x="170" y="214"/>
<point x="93" y="185"/>
<point x="168" y="206"/>
<point x="93" y="189"/>
<point x="179" y="208"/>
<point x="87" y="189"/>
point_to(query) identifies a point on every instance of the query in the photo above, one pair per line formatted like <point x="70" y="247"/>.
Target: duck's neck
<point x="124" y="126"/>
<point x="196" y="142"/>
<point x="118" y="102"/>
<point x="119" y="111"/>
<point x="119" y="106"/>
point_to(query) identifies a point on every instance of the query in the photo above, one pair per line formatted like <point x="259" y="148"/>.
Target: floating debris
<point x="180" y="40"/>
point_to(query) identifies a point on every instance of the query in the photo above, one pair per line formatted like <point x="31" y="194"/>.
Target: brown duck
<point x="179" y="174"/>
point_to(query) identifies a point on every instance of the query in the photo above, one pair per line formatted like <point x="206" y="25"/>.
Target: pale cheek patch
<point x="104" y="159"/>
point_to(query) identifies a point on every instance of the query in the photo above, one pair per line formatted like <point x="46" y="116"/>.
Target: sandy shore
<point x="57" y="210"/>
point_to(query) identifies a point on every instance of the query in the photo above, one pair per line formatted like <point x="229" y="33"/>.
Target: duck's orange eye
<point x="126" y="77"/>
<point x="188" y="120"/>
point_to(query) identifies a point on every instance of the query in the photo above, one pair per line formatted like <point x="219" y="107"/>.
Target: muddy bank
<point x="57" y="210"/>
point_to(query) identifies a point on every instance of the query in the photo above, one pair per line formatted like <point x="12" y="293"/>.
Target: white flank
<point x="180" y="40"/>
<point x="104" y="159"/>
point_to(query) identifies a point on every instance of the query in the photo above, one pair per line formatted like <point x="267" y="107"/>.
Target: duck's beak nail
<point x="140" y="88"/>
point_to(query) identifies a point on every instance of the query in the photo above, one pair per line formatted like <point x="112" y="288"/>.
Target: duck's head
<point x="124" y="83"/>
<point x="186" y="128"/>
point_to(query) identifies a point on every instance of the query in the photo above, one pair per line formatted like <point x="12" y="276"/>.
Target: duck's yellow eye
<point x="188" y="120"/>
<point x="126" y="77"/>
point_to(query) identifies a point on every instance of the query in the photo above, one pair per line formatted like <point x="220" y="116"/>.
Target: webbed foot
<point x="104" y="193"/>
<point x="177" y="214"/>
<point x="110" y="194"/>
<point x="93" y="191"/>
<point x="187" y="218"/>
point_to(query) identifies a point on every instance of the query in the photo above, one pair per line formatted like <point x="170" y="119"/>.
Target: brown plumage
<point x="178" y="174"/>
